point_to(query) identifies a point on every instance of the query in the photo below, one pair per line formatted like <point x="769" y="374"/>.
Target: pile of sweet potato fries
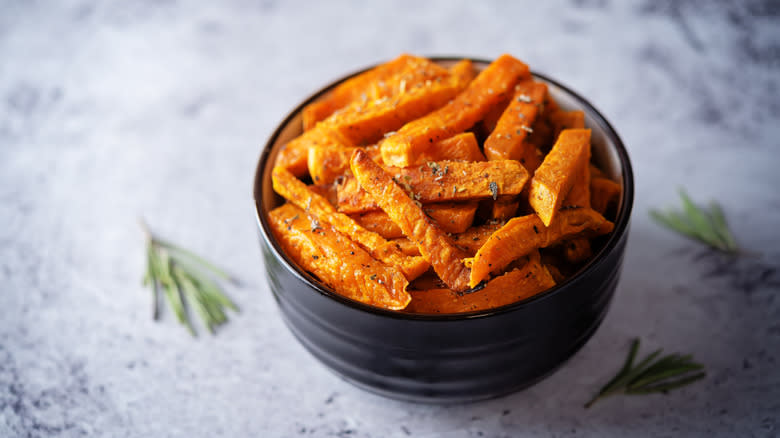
<point x="429" y="189"/>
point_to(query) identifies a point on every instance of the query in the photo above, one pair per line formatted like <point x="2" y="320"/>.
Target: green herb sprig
<point x="650" y="375"/>
<point x="187" y="281"/>
<point x="706" y="226"/>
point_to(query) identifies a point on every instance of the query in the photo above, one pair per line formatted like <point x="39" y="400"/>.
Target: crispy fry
<point x="366" y="123"/>
<point x="561" y="120"/>
<point x="485" y="91"/>
<point x="579" y="249"/>
<point x="337" y="261"/>
<point x="452" y="217"/>
<point x="503" y="209"/>
<point x="509" y="141"/>
<point x="293" y="156"/>
<point x="515" y="285"/>
<point x="327" y="191"/>
<point x="434" y="244"/>
<point x="490" y="119"/>
<point x="381" y="81"/>
<point x="327" y="163"/>
<point x="553" y="180"/>
<point x="442" y="181"/>
<point x="406" y="246"/>
<point x="522" y="235"/>
<point x="579" y="195"/>
<point x="461" y="147"/>
<point x="603" y="193"/>
<point x="318" y="207"/>
<point x="473" y="238"/>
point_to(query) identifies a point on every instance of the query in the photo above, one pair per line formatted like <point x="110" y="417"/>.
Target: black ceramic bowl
<point x="449" y="358"/>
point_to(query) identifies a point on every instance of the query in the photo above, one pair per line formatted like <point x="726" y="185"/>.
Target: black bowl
<point x="449" y="358"/>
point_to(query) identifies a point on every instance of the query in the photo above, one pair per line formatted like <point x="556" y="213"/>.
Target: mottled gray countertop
<point x="159" y="108"/>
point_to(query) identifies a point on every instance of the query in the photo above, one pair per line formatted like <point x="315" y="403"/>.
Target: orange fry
<point x="503" y="209"/>
<point x="406" y="246"/>
<point x="442" y="181"/>
<point x="604" y="192"/>
<point x="579" y="249"/>
<point x="553" y="180"/>
<point x="327" y="163"/>
<point x="509" y="139"/>
<point x="434" y="244"/>
<point x="473" y="238"/>
<point x="337" y="261"/>
<point x="318" y="207"/>
<point x="488" y="89"/>
<point x="452" y="217"/>
<point x="381" y="81"/>
<point x="566" y="120"/>
<point x="460" y="147"/>
<point x="515" y="285"/>
<point x="522" y="235"/>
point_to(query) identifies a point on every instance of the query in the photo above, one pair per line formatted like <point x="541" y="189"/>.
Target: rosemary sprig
<point x="650" y="375"/>
<point x="706" y="226"/>
<point x="187" y="281"/>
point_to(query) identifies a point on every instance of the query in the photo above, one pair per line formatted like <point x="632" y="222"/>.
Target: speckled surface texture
<point x="113" y="111"/>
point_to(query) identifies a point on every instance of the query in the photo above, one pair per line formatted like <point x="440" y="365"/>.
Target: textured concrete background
<point x="111" y="111"/>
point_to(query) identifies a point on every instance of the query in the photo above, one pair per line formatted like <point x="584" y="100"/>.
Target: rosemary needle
<point x="705" y="225"/>
<point x="187" y="281"/>
<point x="650" y="375"/>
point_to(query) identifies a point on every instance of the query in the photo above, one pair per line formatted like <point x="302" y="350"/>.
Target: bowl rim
<point x="621" y="221"/>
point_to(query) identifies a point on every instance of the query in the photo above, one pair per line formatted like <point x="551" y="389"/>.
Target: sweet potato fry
<point x="553" y="180"/>
<point x="381" y="81"/>
<point x="473" y="238"/>
<point x="327" y="163"/>
<point x="561" y="120"/>
<point x="434" y="244"/>
<point x="503" y="209"/>
<point x="578" y="249"/>
<point x="327" y="191"/>
<point x="337" y="261"/>
<point x="490" y="119"/>
<point x="366" y="123"/>
<point x="406" y="246"/>
<point x="515" y="285"/>
<point x="509" y="141"/>
<point x="522" y="235"/>
<point x="442" y="181"/>
<point x="461" y="147"/>
<point x="488" y="89"/>
<point x="293" y="156"/>
<point x="603" y="193"/>
<point x="319" y="208"/>
<point x="452" y="217"/>
<point x="579" y="195"/>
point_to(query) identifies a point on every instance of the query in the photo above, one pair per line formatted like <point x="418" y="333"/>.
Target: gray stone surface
<point x="111" y="111"/>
